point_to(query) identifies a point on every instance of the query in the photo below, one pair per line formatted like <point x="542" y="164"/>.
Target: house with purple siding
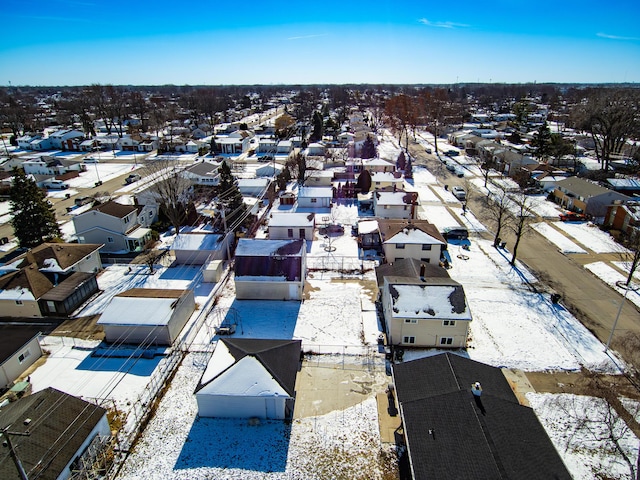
<point x="270" y="269"/>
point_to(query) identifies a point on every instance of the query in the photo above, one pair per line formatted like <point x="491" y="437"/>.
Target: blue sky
<point x="74" y="42"/>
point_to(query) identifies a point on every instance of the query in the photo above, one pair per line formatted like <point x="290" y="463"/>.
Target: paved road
<point x="594" y="303"/>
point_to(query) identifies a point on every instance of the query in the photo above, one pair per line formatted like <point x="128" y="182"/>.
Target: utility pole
<point x="12" y="451"/>
<point x="226" y="232"/>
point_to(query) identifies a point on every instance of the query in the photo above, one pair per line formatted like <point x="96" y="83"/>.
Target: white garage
<point x="147" y="316"/>
<point x="248" y="378"/>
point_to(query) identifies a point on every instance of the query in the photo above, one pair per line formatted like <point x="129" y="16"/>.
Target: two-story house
<point x="417" y="239"/>
<point x="121" y="228"/>
<point x="580" y="195"/>
<point x="394" y="203"/>
<point x="425" y="312"/>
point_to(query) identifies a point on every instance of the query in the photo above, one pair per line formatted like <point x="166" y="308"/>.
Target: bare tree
<point x="521" y="221"/>
<point x="173" y="191"/>
<point x="150" y="255"/>
<point x="498" y="209"/>
<point x="606" y="421"/>
<point x="611" y="117"/>
<point x="631" y="257"/>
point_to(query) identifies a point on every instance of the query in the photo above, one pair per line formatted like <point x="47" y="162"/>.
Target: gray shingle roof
<point x="452" y="434"/>
<point x="60" y="423"/>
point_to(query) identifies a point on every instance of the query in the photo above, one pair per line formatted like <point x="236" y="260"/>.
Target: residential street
<point x="588" y="298"/>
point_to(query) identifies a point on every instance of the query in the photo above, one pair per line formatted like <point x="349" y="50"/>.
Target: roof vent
<point x="476" y="389"/>
<point x="26" y="421"/>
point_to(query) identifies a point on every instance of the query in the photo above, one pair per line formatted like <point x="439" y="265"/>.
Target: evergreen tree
<point x="318" y="126"/>
<point x="542" y="142"/>
<point x="363" y="184"/>
<point x="230" y="198"/>
<point x="33" y="219"/>
<point x="368" y="148"/>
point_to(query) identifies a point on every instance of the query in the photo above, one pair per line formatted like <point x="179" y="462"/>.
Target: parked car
<point x="459" y="172"/>
<point x="452" y="153"/>
<point x="572" y="217"/>
<point x="460" y="233"/>
<point x="427" y="150"/>
<point x="450" y="166"/>
<point x="57" y="185"/>
<point x="91" y="160"/>
<point x="459" y="193"/>
<point x="134" y="177"/>
<point x="79" y="201"/>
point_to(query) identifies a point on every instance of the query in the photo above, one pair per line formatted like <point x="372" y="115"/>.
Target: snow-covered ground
<point x="613" y="278"/>
<point x="579" y="427"/>
<point x="558" y="239"/>
<point x="178" y="444"/>
<point x="5" y="216"/>
<point x="102" y="172"/>
<point x="590" y="236"/>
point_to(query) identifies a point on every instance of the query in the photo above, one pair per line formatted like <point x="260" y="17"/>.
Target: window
<point x="314" y="200"/>
<point x="425" y="260"/>
<point x="399" y="246"/>
<point x="109" y="239"/>
<point x="426" y="247"/>
<point x="446" y="341"/>
<point x="24" y="355"/>
<point x="409" y="340"/>
<point x="18" y="302"/>
<point x="290" y="232"/>
<point x="449" y="323"/>
<point x="410" y="320"/>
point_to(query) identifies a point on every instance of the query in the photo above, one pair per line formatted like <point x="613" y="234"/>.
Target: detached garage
<point x="147" y="315"/>
<point x="248" y="378"/>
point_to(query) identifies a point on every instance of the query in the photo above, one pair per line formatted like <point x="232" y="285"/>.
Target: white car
<point x="459" y="193"/>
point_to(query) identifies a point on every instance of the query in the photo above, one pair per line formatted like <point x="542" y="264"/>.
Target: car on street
<point x="134" y="177"/>
<point x="459" y="193"/>
<point x="91" y="160"/>
<point x="455" y="233"/>
<point x="450" y="166"/>
<point x="572" y="217"/>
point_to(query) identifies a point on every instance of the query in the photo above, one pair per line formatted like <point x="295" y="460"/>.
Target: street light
<point x="626" y="288"/>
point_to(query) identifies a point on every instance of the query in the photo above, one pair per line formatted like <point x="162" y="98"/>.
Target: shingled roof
<point x="279" y="357"/>
<point x="29" y="278"/>
<point x="114" y="209"/>
<point x="59" y="425"/>
<point x="66" y="255"/>
<point x="450" y="433"/>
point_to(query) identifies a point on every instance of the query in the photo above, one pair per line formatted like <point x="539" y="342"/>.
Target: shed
<point x="250" y="378"/>
<point x="147" y="315"/>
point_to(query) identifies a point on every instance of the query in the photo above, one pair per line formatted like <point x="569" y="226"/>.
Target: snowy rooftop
<point x="391" y="198"/>
<point x="292" y="219"/>
<point x="138" y="311"/>
<point x="248" y="377"/>
<point x="197" y="241"/>
<point x="414" y="236"/>
<point x="260" y="247"/>
<point x="429" y="301"/>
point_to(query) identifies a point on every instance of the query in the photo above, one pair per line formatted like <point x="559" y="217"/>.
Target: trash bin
<point x="555" y="297"/>
<point x="503" y="245"/>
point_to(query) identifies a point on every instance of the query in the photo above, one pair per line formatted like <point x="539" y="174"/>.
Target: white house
<point x="66" y="139"/>
<point x="425" y="312"/>
<point x="147" y="316"/>
<point x="320" y="178"/>
<point x="203" y="173"/>
<point x="270" y="269"/>
<point x="25" y="140"/>
<point x="395" y="204"/>
<point x="284" y="147"/>
<point x="315" y="197"/>
<point x="284" y="225"/>
<point x="250" y="378"/>
<point x="19" y="350"/>
<point x="378" y="165"/>
<point x="62" y="428"/>
<point x="316" y="149"/>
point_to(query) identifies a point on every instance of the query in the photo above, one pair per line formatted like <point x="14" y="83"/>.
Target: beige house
<point x="425" y="312"/>
<point x="416" y="239"/>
